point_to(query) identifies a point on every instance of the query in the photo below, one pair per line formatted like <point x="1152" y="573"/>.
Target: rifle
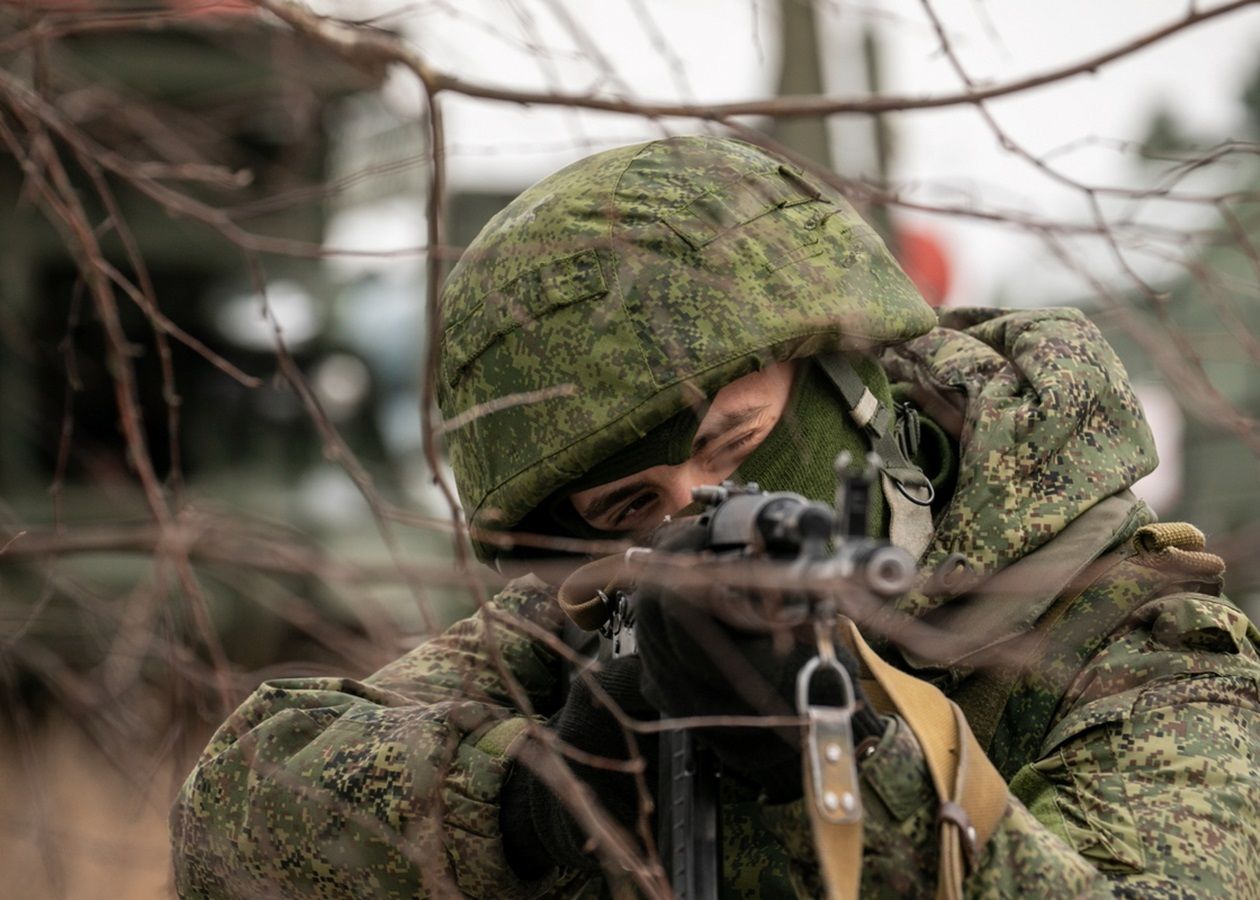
<point x="822" y="548"/>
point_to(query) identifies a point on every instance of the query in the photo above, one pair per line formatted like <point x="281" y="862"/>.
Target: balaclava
<point x="667" y="444"/>
<point x="799" y="454"/>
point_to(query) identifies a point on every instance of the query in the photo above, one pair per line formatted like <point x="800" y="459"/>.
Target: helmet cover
<point x="631" y="284"/>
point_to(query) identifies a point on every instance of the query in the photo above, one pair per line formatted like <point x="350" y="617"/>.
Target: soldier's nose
<point x="678" y="492"/>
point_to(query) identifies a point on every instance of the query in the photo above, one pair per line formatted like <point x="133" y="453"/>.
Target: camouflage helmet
<point x="620" y="290"/>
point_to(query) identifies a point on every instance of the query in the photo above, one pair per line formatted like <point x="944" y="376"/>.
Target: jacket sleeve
<point x="328" y="787"/>
<point x="1148" y="787"/>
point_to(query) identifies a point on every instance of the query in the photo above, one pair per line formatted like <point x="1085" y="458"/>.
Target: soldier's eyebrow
<point x="716" y="426"/>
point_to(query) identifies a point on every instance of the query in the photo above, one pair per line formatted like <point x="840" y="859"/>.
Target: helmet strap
<point x="893" y="435"/>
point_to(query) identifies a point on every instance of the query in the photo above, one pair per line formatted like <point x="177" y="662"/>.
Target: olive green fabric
<point x="624" y="288"/>
<point x="937" y="458"/>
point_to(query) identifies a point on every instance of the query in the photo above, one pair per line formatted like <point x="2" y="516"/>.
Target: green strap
<point x="906" y="489"/>
<point x="879" y="424"/>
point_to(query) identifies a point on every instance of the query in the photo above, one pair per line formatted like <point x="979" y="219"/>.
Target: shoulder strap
<point x="973" y="796"/>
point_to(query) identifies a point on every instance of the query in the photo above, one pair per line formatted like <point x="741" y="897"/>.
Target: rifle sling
<point x="972" y="794"/>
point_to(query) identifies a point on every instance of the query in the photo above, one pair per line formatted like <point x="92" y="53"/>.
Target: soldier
<point x="693" y="310"/>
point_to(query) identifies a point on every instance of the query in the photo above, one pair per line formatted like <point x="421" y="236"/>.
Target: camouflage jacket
<point x="1112" y="686"/>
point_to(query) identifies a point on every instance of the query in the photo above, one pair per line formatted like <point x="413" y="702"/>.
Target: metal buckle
<point x="619" y="628"/>
<point x="908" y="430"/>
<point x="829" y="740"/>
<point x="931" y="492"/>
<point x="955" y="815"/>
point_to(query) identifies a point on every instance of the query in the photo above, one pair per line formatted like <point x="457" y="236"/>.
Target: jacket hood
<point x="1048" y="428"/>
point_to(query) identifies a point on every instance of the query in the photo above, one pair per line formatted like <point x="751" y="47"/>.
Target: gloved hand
<point x="696" y="665"/>
<point x="538" y="832"/>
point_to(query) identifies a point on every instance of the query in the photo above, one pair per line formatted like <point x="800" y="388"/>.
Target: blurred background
<point x="217" y="252"/>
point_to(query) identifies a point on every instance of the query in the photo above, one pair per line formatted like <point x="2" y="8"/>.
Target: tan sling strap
<point x="972" y="793"/>
<point x="582" y="594"/>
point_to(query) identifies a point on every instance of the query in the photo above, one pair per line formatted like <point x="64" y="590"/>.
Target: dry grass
<point x="74" y="825"/>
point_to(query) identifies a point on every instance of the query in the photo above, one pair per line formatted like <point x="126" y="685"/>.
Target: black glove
<point x="696" y="665"/>
<point x="538" y="832"/>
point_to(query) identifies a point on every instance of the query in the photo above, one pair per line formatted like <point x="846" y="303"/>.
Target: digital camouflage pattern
<point x="1028" y="467"/>
<point x="1128" y="732"/>
<point x="646" y="277"/>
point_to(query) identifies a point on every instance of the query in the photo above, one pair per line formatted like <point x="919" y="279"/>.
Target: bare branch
<point x="373" y="48"/>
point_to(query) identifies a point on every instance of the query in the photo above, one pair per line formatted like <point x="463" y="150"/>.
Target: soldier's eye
<point x="633" y="509"/>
